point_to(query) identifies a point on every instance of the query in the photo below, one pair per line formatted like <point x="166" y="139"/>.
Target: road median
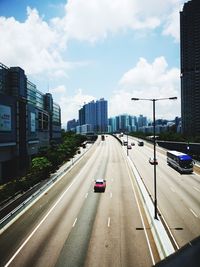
<point x="165" y="242"/>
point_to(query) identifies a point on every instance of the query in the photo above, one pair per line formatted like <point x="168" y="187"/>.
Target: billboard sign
<point x="5" y="118"/>
<point x="32" y="122"/>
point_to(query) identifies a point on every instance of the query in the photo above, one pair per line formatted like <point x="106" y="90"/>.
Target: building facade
<point x="128" y="123"/>
<point x="93" y="117"/>
<point x="71" y="125"/>
<point x="122" y="123"/>
<point x="29" y="120"/>
<point x="190" y="68"/>
<point x="101" y="116"/>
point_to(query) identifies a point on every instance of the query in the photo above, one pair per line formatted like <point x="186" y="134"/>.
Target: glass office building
<point x="29" y="120"/>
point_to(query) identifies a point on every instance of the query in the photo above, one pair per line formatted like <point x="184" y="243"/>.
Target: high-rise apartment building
<point x="71" y="125"/>
<point x="190" y="67"/>
<point x="122" y="123"/>
<point x="93" y="117"/>
<point x="102" y="115"/>
<point x="91" y="114"/>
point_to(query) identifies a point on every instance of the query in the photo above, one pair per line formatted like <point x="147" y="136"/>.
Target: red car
<point x="100" y="185"/>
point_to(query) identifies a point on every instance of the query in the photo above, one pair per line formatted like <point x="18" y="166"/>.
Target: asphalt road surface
<point x="178" y="195"/>
<point x="73" y="226"/>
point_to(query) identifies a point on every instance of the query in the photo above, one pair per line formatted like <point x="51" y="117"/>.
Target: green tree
<point x="40" y="168"/>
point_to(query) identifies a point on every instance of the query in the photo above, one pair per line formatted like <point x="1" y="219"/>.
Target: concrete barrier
<point x="162" y="240"/>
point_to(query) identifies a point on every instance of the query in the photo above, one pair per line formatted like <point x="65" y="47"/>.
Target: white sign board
<point x="5" y="118"/>
<point x="32" y="122"/>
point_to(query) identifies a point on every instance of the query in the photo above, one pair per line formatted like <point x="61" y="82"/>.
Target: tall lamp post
<point x="127" y="136"/>
<point x="127" y="144"/>
<point x="154" y="145"/>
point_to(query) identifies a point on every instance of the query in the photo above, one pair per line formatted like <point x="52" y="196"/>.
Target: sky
<point x="84" y="50"/>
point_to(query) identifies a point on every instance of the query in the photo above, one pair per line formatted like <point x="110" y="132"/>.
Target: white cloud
<point x="39" y="46"/>
<point x="58" y="90"/>
<point x="33" y="44"/>
<point x="147" y="80"/>
<point x="92" y="20"/>
<point x="70" y="104"/>
<point x="172" y="22"/>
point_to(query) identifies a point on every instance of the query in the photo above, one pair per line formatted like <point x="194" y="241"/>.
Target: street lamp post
<point x="127" y="144"/>
<point x="154" y="146"/>
<point x="127" y="131"/>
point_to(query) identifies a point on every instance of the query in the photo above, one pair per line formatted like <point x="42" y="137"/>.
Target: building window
<point x="39" y="100"/>
<point x="31" y="93"/>
<point x="56" y="114"/>
<point x="43" y="121"/>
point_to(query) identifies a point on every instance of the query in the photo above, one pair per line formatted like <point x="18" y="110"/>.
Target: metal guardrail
<point x="116" y="137"/>
<point x="11" y="214"/>
<point x="25" y="203"/>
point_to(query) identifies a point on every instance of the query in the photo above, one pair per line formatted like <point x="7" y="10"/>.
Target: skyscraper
<point x="102" y="115"/>
<point x="90" y="114"/>
<point x="94" y="115"/>
<point x="190" y="68"/>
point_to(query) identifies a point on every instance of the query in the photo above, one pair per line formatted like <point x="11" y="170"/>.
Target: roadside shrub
<point x="48" y="160"/>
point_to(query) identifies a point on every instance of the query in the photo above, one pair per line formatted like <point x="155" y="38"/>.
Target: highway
<point x="73" y="226"/>
<point x="178" y="195"/>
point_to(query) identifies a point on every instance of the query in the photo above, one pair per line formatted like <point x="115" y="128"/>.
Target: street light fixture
<point x="154" y="144"/>
<point x="127" y="144"/>
<point x="127" y="135"/>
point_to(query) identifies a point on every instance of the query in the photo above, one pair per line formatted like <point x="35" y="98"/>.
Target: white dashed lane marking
<point x="194" y="213"/>
<point x="172" y="189"/>
<point x="197" y="189"/>
<point x="74" y="222"/>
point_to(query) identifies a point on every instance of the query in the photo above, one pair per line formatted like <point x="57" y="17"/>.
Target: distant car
<point x="140" y="143"/>
<point x="125" y="143"/>
<point x="100" y="185"/>
<point x="153" y="162"/>
<point x="132" y="143"/>
<point x="84" y="145"/>
<point x="129" y="147"/>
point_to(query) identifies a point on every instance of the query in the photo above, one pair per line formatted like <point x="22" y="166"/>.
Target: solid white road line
<point x="141" y="217"/>
<point x="86" y="195"/>
<point x="197" y="189"/>
<point x="172" y="189"/>
<point x="41" y="222"/>
<point x="194" y="213"/>
<point x="110" y="194"/>
<point x="74" y="222"/>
